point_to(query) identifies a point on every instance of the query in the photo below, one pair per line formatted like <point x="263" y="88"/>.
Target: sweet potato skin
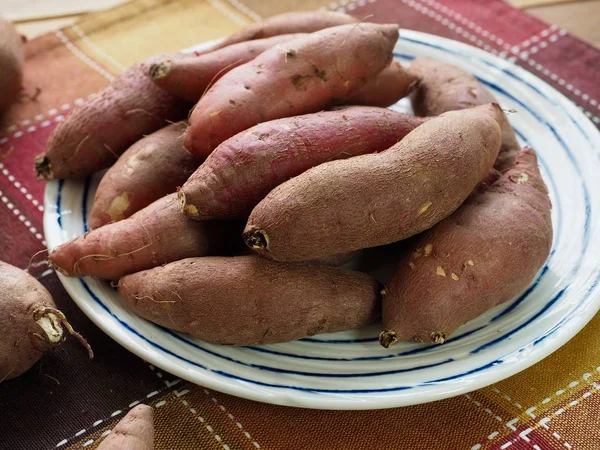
<point x="448" y="276"/>
<point x="444" y="87"/>
<point x="135" y="431"/>
<point x="11" y="64"/>
<point x="245" y="168"/>
<point x="381" y="198"/>
<point x="293" y="22"/>
<point x="306" y="76"/>
<point x="189" y="76"/>
<point x="94" y="135"/>
<point x="391" y="85"/>
<point x="155" y="235"/>
<point x="150" y="169"/>
<point x="247" y="300"/>
<point x="21" y="296"/>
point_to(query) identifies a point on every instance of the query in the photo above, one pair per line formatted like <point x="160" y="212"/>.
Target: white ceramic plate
<point x="350" y="370"/>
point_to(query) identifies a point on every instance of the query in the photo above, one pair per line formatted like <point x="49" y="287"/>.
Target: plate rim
<point x="329" y="401"/>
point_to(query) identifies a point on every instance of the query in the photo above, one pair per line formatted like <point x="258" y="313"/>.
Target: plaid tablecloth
<point x="68" y="402"/>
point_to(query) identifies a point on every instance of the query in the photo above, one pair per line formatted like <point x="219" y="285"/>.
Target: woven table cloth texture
<point x="68" y="402"/>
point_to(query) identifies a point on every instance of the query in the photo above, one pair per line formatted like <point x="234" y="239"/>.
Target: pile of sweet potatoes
<point x="289" y="149"/>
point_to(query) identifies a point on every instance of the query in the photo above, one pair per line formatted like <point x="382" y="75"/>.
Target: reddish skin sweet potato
<point x="381" y="198"/>
<point x="294" y="22"/>
<point x="392" y="84"/>
<point x="150" y="169"/>
<point x="245" y="168"/>
<point x="94" y="135"/>
<point x="445" y="87"/>
<point x="135" y="431"/>
<point x="155" y="235"/>
<point x="305" y="76"/>
<point x="448" y="276"/>
<point x="30" y="323"/>
<point x="248" y="300"/>
<point x="11" y="65"/>
<point x="189" y="76"/>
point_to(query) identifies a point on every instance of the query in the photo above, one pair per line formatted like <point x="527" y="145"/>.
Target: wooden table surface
<point x="579" y="18"/>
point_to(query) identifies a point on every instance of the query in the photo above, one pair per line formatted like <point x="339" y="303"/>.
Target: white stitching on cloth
<point x="22" y="218"/>
<point x="83" y="57"/>
<point x="227" y="13"/>
<point x="41" y="121"/>
<point x="232" y="418"/>
<point x="202" y="420"/>
<point x="22" y="189"/>
<point x="77" y="29"/>
<point x="245" y="9"/>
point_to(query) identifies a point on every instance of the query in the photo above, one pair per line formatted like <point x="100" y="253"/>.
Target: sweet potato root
<point x="189" y="76"/>
<point x="445" y="87"/>
<point x="301" y="77"/>
<point x="11" y="64"/>
<point x="155" y="235"/>
<point x="377" y="199"/>
<point x="30" y="323"/>
<point x="94" y="135"/>
<point x="391" y="85"/>
<point x="135" y="431"/>
<point x="288" y="23"/>
<point x="247" y="300"/>
<point x="482" y="255"/>
<point x="150" y="169"/>
<point x="245" y="168"/>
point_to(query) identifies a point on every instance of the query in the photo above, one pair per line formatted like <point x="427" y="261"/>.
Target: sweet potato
<point x="189" y="76"/>
<point x="391" y="85"/>
<point x="445" y="87"/>
<point x="11" y="64"/>
<point x="155" y="235"/>
<point x="94" y="135"/>
<point x="294" y="22"/>
<point x="30" y="323"/>
<point x="135" y="431"/>
<point x="304" y="76"/>
<point x="245" y="168"/>
<point x="482" y="255"/>
<point x="150" y="169"/>
<point x="377" y="199"/>
<point x="247" y="300"/>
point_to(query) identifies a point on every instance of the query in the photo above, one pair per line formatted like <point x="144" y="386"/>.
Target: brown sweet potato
<point x="304" y="76"/>
<point x="293" y="22"/>
<point x="189" y="76"/>
<point x="377" y="199"/>
<point x="155" y="235"/>
<point x="392" y="84"/>
<point x="445" y="87"/>
<point x="247" y="300"/>
<point x="94" y="135"/>
<point x="482" y="255"/>
<point x="150" y="169"/>
<point x="135" y="431"/>
<point x="30" y="323"/>
<point x="11" y="64"/>
<point x="245" y="168"/>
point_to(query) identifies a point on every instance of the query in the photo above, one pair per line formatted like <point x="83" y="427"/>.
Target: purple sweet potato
<point x="155" y="235"/>
<point x="377" y="199"/>
<point x="304" y="76"/>
<point x="189" y="76"/>
<point x="135" y="431"/>
<point x="11" y="64"/>
<point x="445" y="87"/>
<point x="94" y="135"/>
<point x="392" y="84"/>
<point x="150" y="169"/>
<point x="30" y="323"/>
<point x="483" y="255"/>
<point x="245" y="168"/>
<point x="293" y="22"/>
<point x="248" y="300"/>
